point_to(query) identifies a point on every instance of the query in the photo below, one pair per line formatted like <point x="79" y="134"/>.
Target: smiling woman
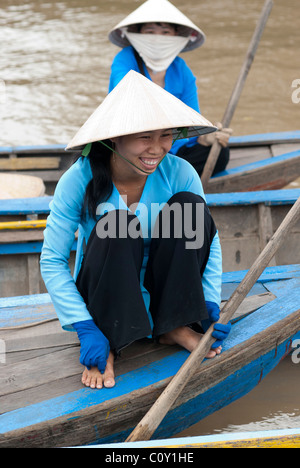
<point x="129" y="284"/>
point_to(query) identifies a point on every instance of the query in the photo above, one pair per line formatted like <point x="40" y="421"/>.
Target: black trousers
<point x="197" y="156"/>
<point x="109" y="278"/>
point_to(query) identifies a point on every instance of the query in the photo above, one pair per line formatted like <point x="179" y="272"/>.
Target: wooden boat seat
<point x="29" y="163"/>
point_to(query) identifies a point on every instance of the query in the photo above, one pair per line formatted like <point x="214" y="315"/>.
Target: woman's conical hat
<point x="138" y="105"/>
<point x="158" y="11"/>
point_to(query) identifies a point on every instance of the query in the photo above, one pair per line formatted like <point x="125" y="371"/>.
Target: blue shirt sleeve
<point x="212" y="277"/>
<point x="59" y="236"/>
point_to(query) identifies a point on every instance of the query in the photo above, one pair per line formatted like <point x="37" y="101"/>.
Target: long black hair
<point x="100" y="186"/>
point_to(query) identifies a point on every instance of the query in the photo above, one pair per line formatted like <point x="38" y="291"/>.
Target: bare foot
<point x="188" y="339"/>
<point x="94" y="379"/>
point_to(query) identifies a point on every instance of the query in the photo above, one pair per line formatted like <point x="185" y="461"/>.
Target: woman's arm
<point x="59" y="236"/>
<point x="212" y="276"/>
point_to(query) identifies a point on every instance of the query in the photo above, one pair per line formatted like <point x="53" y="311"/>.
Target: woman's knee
<point x="118" y="224"/>
<point x="185" y="217"/>
<point x="185" y="197"/>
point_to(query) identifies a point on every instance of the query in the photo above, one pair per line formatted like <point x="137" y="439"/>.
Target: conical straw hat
<point x="137" y="105"/>
<point x="158" y="11"/>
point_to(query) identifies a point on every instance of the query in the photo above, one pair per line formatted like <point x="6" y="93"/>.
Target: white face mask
<point x="157" y="51"/>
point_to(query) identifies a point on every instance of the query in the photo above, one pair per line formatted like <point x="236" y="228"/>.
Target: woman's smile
<point x="150" y="163"/>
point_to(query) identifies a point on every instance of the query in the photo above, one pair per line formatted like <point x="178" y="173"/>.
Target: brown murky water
<point x="54" y="69"/>
<point x="55" y="62"/>
<point x="273" y="404"/>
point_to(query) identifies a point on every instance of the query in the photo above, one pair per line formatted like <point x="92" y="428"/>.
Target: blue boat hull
<point x="232" y="388"/>
<point x="254" y="347"/>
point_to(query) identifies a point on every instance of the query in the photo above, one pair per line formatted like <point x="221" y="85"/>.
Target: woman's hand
<point x="94" y="346"/>
<point x="222" y="136"/>
<point x="221" y="331"/>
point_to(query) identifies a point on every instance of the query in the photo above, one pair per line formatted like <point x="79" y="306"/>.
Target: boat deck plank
<point x="45" y="375"/>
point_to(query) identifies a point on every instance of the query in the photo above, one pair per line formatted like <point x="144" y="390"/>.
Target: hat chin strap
<point x="86" y="150"/>
<point x="125" y="159"/>
<point x="157" y="51"/>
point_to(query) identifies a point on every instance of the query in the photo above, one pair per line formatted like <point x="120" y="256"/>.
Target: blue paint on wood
<point x="25" y="248"/>
<point x="41" y="205"/>
<point x="5" y="150"/>
<point x="259" y="164"/>
<point x="25" y="206"/>
<point x="267" y="138"/>
<point x="87" y="397"/>
<point x="229" y="288"/>
<point x="32" y="148"/>
<point x="20" y="301"/>
<point x="202" y="405"/>
<point x="268" y="197"/>
<point x="280" y="288"/>
<point x="264" y="317"/>
<point x="147" y="375"/>
<point x="25" y="315"/>
<point x="269" y="274"/>
<point x="21" y="248"/>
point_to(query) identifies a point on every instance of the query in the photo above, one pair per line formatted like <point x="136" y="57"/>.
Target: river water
<point x="54" y="70"/>
<point x="55" y="63"/>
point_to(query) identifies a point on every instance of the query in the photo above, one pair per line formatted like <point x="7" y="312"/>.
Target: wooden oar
<point x="216" y="147"/>
<point x="157" y="412"/>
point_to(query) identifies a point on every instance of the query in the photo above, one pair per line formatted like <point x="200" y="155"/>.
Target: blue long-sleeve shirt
<point x="179" y="81"/>
<point x="173" y="175"/>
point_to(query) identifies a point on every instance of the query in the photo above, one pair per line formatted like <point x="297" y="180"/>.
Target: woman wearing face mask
<point x="151" y="38"/>
<point x="148" y="260"/>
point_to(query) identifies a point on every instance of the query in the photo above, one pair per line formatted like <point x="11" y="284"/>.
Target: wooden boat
<point x="276" y="438"/>
<point x="50" y="161"/>
<point x="20" y="247"/>
<point x="20" y="186"/>
<point x="245" y="221"/>
<point x="43" y="403"/>
<point x="253" y="148"/>
<point x="268" y="174"/>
